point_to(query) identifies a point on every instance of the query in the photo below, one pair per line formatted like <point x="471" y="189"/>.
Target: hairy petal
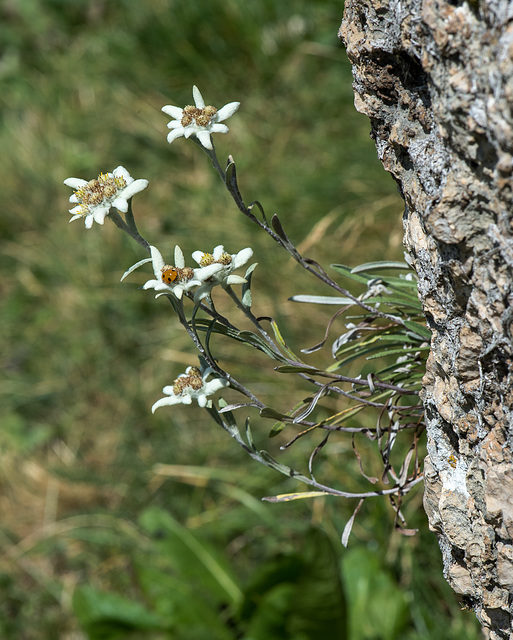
<point x="174" y="112"/>
<point x="198" y="98"/>
<point x="227" y="111"/>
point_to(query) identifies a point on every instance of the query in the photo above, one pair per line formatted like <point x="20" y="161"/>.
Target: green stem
<point x="247" y="312"/>
<point x="233" y="188"/>
<point x="129" y="226"/>
<point x="235" y="384"/>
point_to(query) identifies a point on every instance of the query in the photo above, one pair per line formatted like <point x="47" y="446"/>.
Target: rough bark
<point x="436" y="80"/>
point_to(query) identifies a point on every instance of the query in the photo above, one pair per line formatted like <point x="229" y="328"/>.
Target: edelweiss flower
<point x="95" y="198"/>
<point x="228" y="263"/>
<point x="189" y="385"/>
<point x="200" y="120"/>
<point x="175" y="279"/>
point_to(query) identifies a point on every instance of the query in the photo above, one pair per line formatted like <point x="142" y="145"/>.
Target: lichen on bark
<point x="436" y="80"/>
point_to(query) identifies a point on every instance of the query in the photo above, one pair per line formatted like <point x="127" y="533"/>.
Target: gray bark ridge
<point x="436" y="80"/>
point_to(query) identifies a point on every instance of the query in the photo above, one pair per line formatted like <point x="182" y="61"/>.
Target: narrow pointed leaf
<point x="394" y="352"/>
<point x="384" y="264"/>
<point x="288" y="497"/>
<point x="333" y="300"/>
<point x="347" y="271"/>
<point x="349" y="526"/>
<point x="419" y="329"/>
<point x="246" y="286"/>
<point x="291" y="368"/>
<point x="250" y="269"/>
<point x="134" y="267"/>
<point x="246" y="298"/>
<point x="230" y="174"/>
<point x="254" y="340"/>
<point x="282" y="468"/>
<point x="276" y="429"/>
<point x="282" y="343"/>
<point x="258" y="205"/>
<point x="249" y="436"/>
<point x="268" y="412"/>
<point x="276" y="224"/>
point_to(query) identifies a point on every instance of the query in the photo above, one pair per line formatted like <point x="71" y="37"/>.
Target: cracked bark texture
<point x="435" y="78"/>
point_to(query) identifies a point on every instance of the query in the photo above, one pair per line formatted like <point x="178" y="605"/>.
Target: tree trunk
<point x="435" y="77"/>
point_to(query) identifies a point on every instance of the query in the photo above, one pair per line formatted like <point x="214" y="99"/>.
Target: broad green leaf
<point x="195" y="557"/>
<point x="178" y="601"/>
<point x="109" y="616"/>
<point x="270" y="620"/>
<point x="298" y="597"/>
<point x="378" y="608"/>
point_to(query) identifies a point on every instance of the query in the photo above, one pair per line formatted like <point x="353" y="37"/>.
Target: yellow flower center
<point x="202" y="117"/>
<point x="225" y="258"/>
<point x="208" y="259"/>
<point x="99" y="190"/>
<point x="192" y="380"/>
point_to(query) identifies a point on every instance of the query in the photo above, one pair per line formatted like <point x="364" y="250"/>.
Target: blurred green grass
<point x="85" y="357"/>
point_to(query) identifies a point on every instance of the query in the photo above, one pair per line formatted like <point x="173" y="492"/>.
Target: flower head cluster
<point x="94" y="199"/>
<point x="200" y="120"/>
<point x="223" y="275"/>
<point x="189" y="385"/>
<point x="175" y="279"/>
<point x="214" y="268"/>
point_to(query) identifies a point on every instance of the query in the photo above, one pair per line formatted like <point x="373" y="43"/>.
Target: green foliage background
<point x="117" y="523"/>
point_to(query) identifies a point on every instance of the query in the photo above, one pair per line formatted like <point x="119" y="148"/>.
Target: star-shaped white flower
<point x="174" y="279"/>
<point x="223" y="276"/>
<point x="94" y="199"/>
<point x="200" y="120"/>
<point x="189" y="385"/>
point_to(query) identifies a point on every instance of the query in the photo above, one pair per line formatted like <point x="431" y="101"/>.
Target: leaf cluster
<point x="186" y="589"/>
